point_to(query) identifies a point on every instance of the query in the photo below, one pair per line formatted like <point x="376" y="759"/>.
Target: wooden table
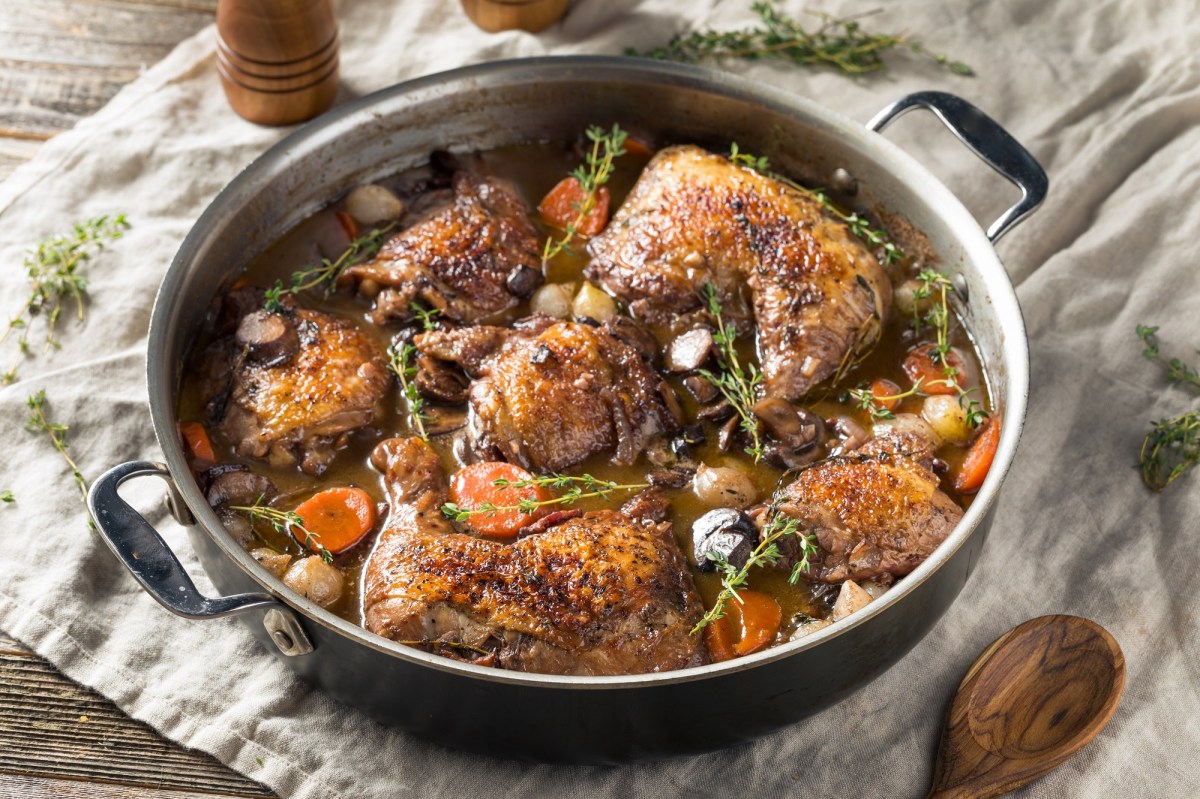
<point x="61" y="60"/>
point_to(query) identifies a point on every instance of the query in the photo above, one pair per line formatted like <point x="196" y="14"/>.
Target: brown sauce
<point x="534" y="169"/>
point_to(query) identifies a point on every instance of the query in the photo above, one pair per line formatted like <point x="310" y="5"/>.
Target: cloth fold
<point x="1106" y="95"/>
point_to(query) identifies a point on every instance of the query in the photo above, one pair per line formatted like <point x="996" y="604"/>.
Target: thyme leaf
<point x="738" y="384"/>
<point x="401" y="363"/>
<point x="1172" y="447"/>
<point x="875" y="404"/>
<point x="575" y="488"/>
<point x="56" y="279"/>
<point x="326" y="273"/>
<point x="7" y="497"/>
<point x="37" y="422"/>
<point x="839" y="43"/>
<point x="592" y="174"/>
<point x="287" y="522"/>
<point x="933" y="284"/>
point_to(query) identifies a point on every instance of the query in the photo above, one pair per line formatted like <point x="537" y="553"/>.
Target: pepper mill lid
<point x="278" y="59"/>
<point x="502" y="15"/>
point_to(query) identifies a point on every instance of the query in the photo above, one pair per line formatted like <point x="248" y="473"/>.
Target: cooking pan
<point x="535" y="716"/>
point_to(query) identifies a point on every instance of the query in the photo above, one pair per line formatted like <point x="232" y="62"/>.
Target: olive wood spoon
<point x="1029" y="701"/>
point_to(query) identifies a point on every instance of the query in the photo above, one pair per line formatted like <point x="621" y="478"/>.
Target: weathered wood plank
<point x="16" y="786"/>
<point x="39" y="100"/>
<point x="50" y="727"/>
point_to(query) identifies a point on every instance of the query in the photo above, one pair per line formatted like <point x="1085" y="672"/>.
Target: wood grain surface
<point x="61" y="60"/>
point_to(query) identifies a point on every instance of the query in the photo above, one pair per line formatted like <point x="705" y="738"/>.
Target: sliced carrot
<point x="922" y="363"/>
<point x="197" y="440"/>
<point x="337" y="517"/>
<point x="637" y="147"/>
<point x="562" y="205"/>
<point x="884" y="394"/>
<point x="760" y="617"/>
<point x="719" y="640"/>
<point x="979" y="459"/>
<point x="349" y="224"/>
<point x="474" y="486"/>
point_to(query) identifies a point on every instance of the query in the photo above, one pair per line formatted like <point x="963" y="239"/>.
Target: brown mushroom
<point x="268" y="338"/>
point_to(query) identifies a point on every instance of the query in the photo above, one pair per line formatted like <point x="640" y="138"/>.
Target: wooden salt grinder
<point x="278" y="59"/>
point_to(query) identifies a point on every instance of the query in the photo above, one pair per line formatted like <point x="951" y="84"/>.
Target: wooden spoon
<point x="1030" y="701"/>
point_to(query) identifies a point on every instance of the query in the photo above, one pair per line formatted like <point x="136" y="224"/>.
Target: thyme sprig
<point x="738" y="384"/>
<point x="401" y="361"/>
<point x="859" y="225"/>
<point x="287" y="522"/>
<point x="37" y="422"/>
<point x="426" y="317"/>
<point x="592" y="174"/>
<point x="54" y="268"/>
<point x="765" y="554"/>
<point x="576" y="487"/>
<point x="840" y="43"/>
<point x="930" y="283"/>
<point x="326" y="273"/>
<point x="1172" y="447"/>
<point x="7" y="497"/>
<point x="875" y="405"/>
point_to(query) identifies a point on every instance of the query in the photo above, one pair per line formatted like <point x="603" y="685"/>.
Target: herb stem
<point x="738" y="385"/>
<point x="577" y="488"/>
<point x="37" y="422"/>
<point x="594" y="173"/>
<point x="401" y="363"/>
<point x="287" y="522"/>
<point x="327" y="272"/>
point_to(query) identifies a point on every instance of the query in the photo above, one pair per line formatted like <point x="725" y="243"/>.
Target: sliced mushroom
<point x="727" y="435"/>
<point x="633" y="334"/>
<point x="851" y="433"/>
<point x="700" y="388"/>
<point x="723" y="532"/>
<point x="274" y="562"/>
<point x="689" y="351"/>
<point x="524" y="280"/>
<point x="440" y="381"/>
<point x="268" y="338"/>
<point x="236" y="485"/>
<point x="716" y="413"/>
<point x="440" y="421"/>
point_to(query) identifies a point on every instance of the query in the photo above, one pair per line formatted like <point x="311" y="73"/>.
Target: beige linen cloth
<point x="1106" y="95"/>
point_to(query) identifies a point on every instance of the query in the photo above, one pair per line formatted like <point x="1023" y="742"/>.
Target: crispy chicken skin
<point x="547" y="394"/>
<point x="818" y="295"/>
<point x="457" y="258"/>
<point x="300" y="406"/>
<point x="595" y="594"/>
<point x="875" y="511"/>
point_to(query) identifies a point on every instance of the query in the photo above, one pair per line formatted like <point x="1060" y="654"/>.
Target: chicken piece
<point x="875" y="511"/>
<point x="595" y="594"/>
<point x="547" y="394"/>
<point x="818" y="296"/>
<point x="299" y="406"/>
<point x="474" y="256"/>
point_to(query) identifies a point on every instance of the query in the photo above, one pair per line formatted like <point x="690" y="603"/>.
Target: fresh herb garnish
<point x="766" y="553"/>
<point x="38" y="423"/>
<point x="738" y="385"/>
<point x="426" y="317"/>
<point x="55" y="279"/>
<point x="859" y="225"/>
<point x="6" y="497"/>
<point x="865" y="399"/>
<point x="576" y="488"/>
<point x="1172" y="447"/>
<point x="594" y="173"/>
<point x="287" y="522"/>
<point x="326" y="273"/>
<point x="839" y="43"/>
<point x="930" y="282"/>
<point x="401" y="362"/>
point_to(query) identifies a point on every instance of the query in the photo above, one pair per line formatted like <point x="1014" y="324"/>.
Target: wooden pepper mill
<point x="502" y="15"/>
<point x="278" y="59"/>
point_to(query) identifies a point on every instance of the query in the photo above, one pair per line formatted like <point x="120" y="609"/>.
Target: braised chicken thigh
<point x="547" y="394"/>
<point x="475" y="255"/>
<point x="875" y="511"/>
<point x="598" y="593"/>
<point x="818" y="297"/>
<point x="290" y="386"/>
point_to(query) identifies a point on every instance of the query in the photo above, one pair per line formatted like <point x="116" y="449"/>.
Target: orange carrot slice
<point x="563" y="204"/>
<point x="338" y="517"/>
<point x="979" y="459"/>
<point x="198" y="442"/>
<point x="922" y="364"/>
<point x="884" y="393"/>
<point x="719" y="640"/>
<point x="474" y="486"/>
<point x="637" y="147"/>
<point x="349" y="224"/>
<point x="760" y="617"/>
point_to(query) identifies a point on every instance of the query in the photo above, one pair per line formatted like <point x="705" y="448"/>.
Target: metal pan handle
<point x="152" y="563"/>
<point x="987" y="140"/>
